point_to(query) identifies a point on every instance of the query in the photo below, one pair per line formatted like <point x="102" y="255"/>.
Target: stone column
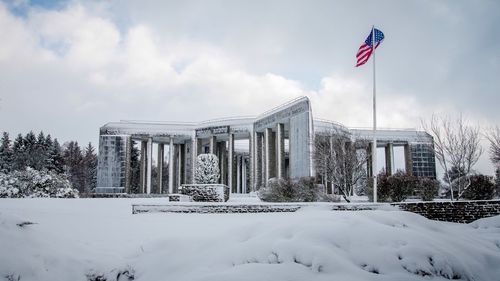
<point x="263" y="159"/>
<point x="280" y="150"/>
<point x="369" y="168"/>
<point x="179" y="148"/>
<point x="213" y="143"/>
<point x="408" y="159"/>
<point x="150" y="165"/>
<point x="171" y="164"/>
<point x="270" y="154"/>
<point x="238" y="174"/>
<point x="185" y="163"/>
<point x="194" y="154"/>
<point x="251" y="160"/>
<point x="244" y="175"/>
<point x="389" y="159"/>
<point x="230" y="166"/>
<point x="143" y="167"/>
<point x="257" y="160"/>
<point x="161" y="156"/>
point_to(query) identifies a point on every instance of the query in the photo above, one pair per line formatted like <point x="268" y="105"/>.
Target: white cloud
<point x="69" y="71"/>
<point x="351" y="102"/>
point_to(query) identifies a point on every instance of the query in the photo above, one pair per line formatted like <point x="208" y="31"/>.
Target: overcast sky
<point x="68" y="67"/>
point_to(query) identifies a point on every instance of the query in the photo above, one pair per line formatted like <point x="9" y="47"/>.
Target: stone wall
<point x="456" y="211"/>
<point x="214" y="209"/>
<point x="122" y="195"/>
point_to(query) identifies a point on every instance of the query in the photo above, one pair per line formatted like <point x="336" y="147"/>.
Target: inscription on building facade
<point x="283" y="114"/>
<point x="212" y="131"/>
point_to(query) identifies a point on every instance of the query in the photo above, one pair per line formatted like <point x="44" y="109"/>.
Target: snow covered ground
<point x="75" y="238"/>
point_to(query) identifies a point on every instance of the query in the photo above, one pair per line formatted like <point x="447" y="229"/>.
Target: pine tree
<point x="31" y="155"/>
<point x="5" y="154"/>
<point x="56" y="157"/>
<point x="90" y="168"/>
<point x="41" y="151"/>
<point x="73" y="165"/>
<point x="18" y="154"/>
<point x="48" y="146"/>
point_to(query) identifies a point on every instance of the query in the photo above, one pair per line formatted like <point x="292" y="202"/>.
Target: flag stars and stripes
<point x="366" y="50"/>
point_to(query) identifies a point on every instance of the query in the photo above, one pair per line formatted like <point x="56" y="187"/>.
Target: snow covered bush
<point x="287" y="190"/>
<point x="402" y="185"/>
<point x="481" y="188"/>
<point x="383" y="188"/>
<point x="34" y="183"/>
<point x="8" y="186"/>
<point x="207" y="169"/>
<point x="428" y="188"/>
<point x="393" y="188"/>
<point x="206" y="192"/>
<point x="277" y="190"/>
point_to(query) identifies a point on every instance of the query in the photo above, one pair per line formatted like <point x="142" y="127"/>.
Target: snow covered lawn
<point x="80" y="239"/>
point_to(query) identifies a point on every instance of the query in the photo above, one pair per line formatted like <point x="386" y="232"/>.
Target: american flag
<point x="365" y="51"/>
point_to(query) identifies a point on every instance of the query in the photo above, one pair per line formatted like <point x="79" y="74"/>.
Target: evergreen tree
<point x="73" y="165"/>
<point x="5" y="154"/>
<point x="41" y="152"/>
<point x="56" y="157"/>
<point x="48" y="146"/>
<point x="90" y="168"/>
<point x="31" y="156"/>
<point x="18" y="153"/>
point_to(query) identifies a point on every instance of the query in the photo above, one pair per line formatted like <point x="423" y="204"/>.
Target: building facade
<point x="251" y="150"/>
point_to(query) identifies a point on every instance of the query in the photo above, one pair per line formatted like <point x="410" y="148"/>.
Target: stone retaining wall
<point x="456" y="211"/>
<point x="121" y="195"/>
<point x="215" y="209"/>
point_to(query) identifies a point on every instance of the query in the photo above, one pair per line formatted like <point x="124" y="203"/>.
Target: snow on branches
<point x="34" y="183"/>
<point x="207" y="169"/>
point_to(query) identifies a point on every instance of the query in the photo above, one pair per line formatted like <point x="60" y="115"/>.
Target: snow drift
<point x="82" y="239"/>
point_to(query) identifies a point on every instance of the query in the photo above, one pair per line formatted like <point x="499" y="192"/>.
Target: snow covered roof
<point x="241" y="126"/>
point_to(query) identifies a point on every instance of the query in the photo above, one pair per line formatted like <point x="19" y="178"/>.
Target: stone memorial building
<point x="251" y="150"/>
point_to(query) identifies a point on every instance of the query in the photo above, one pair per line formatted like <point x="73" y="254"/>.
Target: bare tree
<point x="494" y="137"/>
<point x="456" y="144"/>
<point x="340" y="160"/>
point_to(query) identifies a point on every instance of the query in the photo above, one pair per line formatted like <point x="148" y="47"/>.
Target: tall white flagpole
<point x="374" y="147"/>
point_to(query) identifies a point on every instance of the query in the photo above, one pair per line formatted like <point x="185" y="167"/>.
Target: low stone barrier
<point x="179" y="198"/>
<point x="214" y="209"/>
<point x="357" y="207"/>
<point x="121" y="195"/>
<point x="456" y="211"/>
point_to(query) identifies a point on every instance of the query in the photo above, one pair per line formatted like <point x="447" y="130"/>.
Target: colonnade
<point x="269" y="154"/>
<point x="241" y="172"/>
<point x="389" y="158"/>
<point x="176" y="168"/>
<point x="235" y="168"/>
